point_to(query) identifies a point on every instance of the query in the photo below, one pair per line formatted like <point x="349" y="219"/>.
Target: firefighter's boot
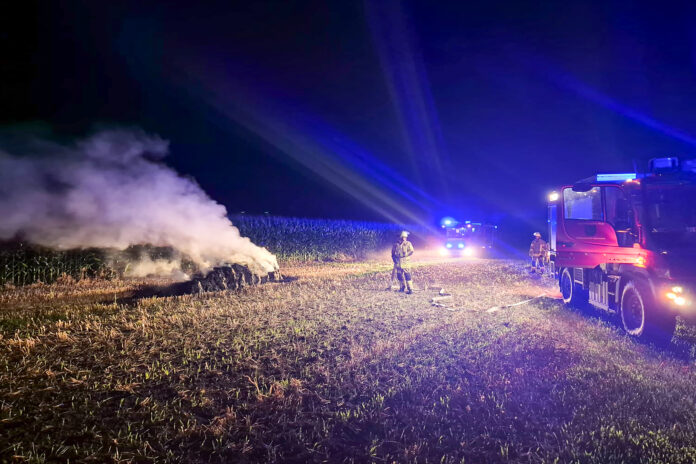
<point x="409" y="286"/>
<point x="402" y="283"/>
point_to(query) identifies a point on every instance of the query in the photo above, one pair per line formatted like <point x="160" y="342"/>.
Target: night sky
<point x="366" y="110"/>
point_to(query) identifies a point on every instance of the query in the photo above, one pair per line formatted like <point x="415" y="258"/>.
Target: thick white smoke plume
<point x="145" y="266"/>
<point x="110" y="191"/>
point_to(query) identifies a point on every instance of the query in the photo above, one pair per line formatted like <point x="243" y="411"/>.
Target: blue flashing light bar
<point x="616" y="177"/>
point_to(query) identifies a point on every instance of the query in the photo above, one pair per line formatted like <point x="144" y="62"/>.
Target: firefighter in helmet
<point x="401" y="253"/>
<point x="538" y="251"/>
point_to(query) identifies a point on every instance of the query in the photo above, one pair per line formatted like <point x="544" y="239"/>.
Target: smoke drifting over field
<point x="111" y="191"/>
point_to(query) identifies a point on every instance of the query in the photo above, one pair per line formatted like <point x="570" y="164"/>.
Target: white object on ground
<point x="519" y="303"/>
<point x="435" y="301"/>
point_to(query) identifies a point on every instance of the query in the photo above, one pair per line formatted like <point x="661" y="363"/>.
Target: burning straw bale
<point x="231" y="277"/>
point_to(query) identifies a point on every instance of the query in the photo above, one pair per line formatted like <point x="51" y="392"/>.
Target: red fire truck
<point x="626" y="243"/>
<point x="467" y="238"/>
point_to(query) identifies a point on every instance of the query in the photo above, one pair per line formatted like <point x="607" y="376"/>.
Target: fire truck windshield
<point x="462" y="232"/>
<point x="671" y="211"/>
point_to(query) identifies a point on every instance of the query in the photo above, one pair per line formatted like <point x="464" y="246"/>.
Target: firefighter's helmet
<point x="537" y="234"/>
<point x="404" y="233"/>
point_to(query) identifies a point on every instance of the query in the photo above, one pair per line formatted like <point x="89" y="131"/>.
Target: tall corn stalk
<point x="23" y="264"/>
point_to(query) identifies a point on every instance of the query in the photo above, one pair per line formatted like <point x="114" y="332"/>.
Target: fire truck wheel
<point x="572" y="293"/>
<point x="643" y="319"/>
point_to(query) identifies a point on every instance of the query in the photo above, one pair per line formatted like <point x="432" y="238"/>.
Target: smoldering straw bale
<point x="232" y="277"/>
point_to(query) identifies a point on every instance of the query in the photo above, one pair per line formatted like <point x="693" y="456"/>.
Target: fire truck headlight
<point x="468" y="251"/>
<point x="460" y="245"/>
<point x="677" y="297"/>
<point x="553" y="196"/>
<point x="449" y="245"/>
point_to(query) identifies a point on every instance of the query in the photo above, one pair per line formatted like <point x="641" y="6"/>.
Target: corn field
<point x="290" y="239"/>
<point x="22" y="264"/>
<point x="296" y="239"/>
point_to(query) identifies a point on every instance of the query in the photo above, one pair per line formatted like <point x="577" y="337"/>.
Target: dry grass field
<point x="330" y="367"/>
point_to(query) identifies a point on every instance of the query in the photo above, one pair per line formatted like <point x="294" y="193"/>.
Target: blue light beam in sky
<point x="569" y="82"/>
<point x="407" y="81"/>
<point x="321" y="150"/>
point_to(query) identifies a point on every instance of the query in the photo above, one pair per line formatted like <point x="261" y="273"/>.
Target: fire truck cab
<point x="467" y="238"/>
<point x="626" y="243"/>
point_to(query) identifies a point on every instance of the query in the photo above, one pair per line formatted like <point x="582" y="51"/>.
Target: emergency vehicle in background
<point x="626" y="243"/>
<point x="467" y="238"/>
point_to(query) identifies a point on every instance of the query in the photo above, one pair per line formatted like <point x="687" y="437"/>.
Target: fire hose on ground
<point x="437" y="301"/>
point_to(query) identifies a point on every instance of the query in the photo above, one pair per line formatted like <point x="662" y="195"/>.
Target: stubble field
<point x="330" y="367"/>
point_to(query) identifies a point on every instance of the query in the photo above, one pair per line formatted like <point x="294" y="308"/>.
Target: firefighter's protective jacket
<point x="402" y="250"/>
<point x="537" y="248"/>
